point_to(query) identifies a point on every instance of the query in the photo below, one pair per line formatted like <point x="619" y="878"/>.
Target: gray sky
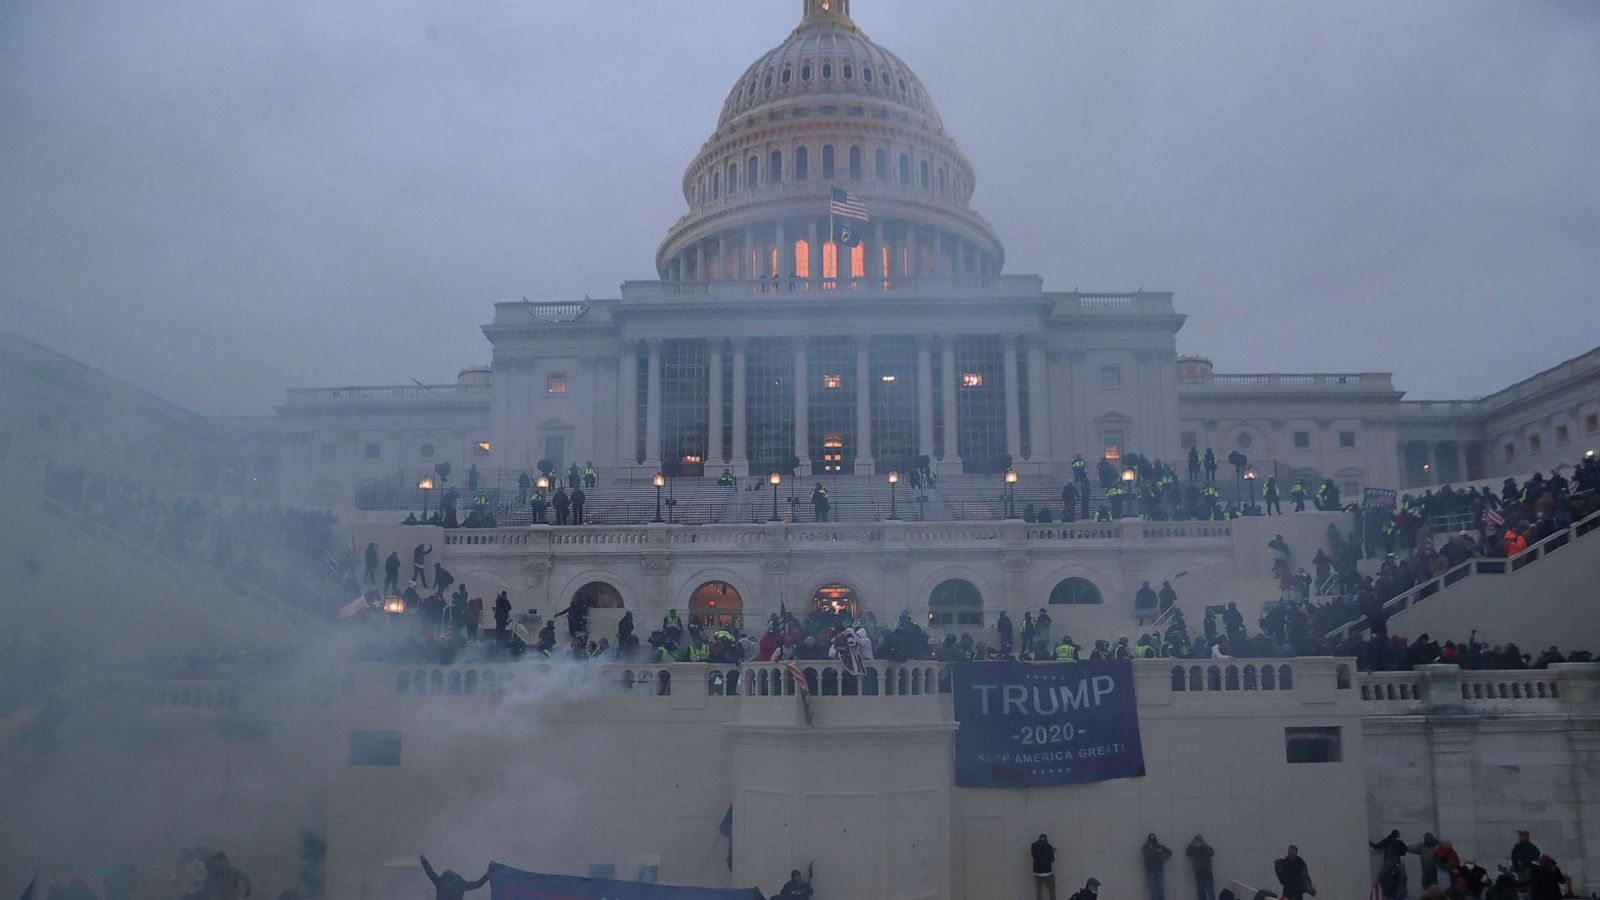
<point x="219" y="200"/>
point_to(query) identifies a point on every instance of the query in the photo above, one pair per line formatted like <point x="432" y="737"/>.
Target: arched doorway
<point x="599" y="595"/>
<point x="835" y="602"/>
<point x="1075" y="591"/>
<point x="716" y="603"/>
<point x="955" y="601"/>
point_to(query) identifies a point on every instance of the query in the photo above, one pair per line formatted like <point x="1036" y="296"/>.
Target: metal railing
<point x="1499" y="566"/>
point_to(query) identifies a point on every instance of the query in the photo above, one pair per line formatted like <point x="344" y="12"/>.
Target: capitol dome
<point x="827" y="109"/>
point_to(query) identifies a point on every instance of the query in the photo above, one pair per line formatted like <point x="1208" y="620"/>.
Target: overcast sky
<point x="220" y="200"/>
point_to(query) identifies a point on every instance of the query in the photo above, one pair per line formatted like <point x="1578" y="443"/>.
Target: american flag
<point x="847" y="205"/>
<point x="1492" y="518"/>
<point x="801" y="687"/>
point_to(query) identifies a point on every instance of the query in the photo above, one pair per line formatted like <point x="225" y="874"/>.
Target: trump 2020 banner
<point x="1036" y="724"/>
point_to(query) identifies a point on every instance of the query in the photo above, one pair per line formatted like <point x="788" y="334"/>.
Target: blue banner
<point x="506" y="883"/>
<point x="1035" y="724"/>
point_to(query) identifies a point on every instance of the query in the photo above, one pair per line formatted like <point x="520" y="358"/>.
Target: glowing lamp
<point x="1011" y="476"/>
<point x="394" y="606"/>
<point x="425" y="482"/>
<point x="659" y="480"/>
<point x="1250" y="474"/>
<point x="774" y="479"/>
<point x="542" y="483"/>
<point x="894" y="477"/>
<point x="1129" y="474"/>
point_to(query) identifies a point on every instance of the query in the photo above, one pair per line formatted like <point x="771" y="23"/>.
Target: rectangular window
<point x="480" y="449"/>
<point x="556" y="383"/>
<point x="832" y="382"/>
<point x="1188" y="440"/>
<point x="1535" y="444"/>
<point x="374" y="451"/>
<point x="1591" y="423"/>
<point x="972" y="379"/>
<point x="1111" y="376"/>
<point x="1302" y="440"/>
<point x="1347" y="439"/>
<point x="1511" y="452"/>
<point x="1561" y="434"/>
<point x="1113" y="439"/>
<point x="1313" y="745"/>
<point x="374" y="748"/>
<point x="329" y="450"/>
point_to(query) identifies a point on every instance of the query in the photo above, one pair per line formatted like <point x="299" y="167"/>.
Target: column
<point x="1013" y="398"/>
<point x="740" y="463"/>
<point x="1038" y="415"/>
<point x="1461" y="461"/>
<point x="700" y="267"/>
<point x="951" y="461"/>
<point x="749" y="266"/>
<point x="714" y="402"/>
<point x="863" y="407"/>
<point x="628" y="404"/>
<point x="785" y="252"/>
<point x="802" y="409"/>
<point x="813" y="253"/>
<point x="924" y="396"/>
<point x="719" y="255"/>
<point x="875" y="260"/>
<point x="652" y="418"/>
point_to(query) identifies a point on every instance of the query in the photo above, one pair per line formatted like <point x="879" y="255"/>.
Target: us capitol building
<point x="772" y="342"/>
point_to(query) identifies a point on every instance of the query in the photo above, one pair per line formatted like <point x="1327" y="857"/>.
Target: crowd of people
<point x="1291" y="871"/>
<point x="288" y="551"/>
<point x="1445" y="875"/>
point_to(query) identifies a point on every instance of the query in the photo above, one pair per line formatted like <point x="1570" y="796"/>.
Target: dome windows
<point x="751" y="91"/>
<point x="775" y="167"/>
<point x="827" y="71"/>
<point x="849" y="71"/>
<point x="801" y="163"/>
<point x="785" y="76"/>
<point x="827" y="161"/>
<point x="805" y="72"/>
<point x="902" y="85"/>
<point x="866" y="74"/>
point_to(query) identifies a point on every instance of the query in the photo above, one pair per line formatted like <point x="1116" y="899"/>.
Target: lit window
<point x="329" y="451"/>
<point x="1347" y="439"/>
<point x="481" y="448"/>
<point x="556" y="384"/>
<point x="888" y="379"/>
<point x="374" y="451"/>
<point x="802" y="259"/>
<point x="832" y="382"/>
<point x="1302" y="440"/>
<point x="1313" y="745"/>
<point x="1535" y="443"/>
<point x="1111" y="376"/>
<point x="1561" y="434"/>
<point x="830" y="260"/>
<point x="972" y="379"/>
<point x="858" y="261"/>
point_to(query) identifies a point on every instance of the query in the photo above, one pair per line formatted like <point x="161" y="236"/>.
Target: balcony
<point x="783" y="290"/>
<point x="387" y="395"/>
<point x="1276" y="382"/>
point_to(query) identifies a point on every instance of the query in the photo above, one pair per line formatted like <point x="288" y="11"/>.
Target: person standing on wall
<point x="1044" y="871"/>
<point x="1155" y="867"/>
<point x="419" y="556"/>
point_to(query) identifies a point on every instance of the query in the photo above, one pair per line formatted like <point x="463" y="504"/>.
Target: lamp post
<point x="1250" y="475"/>
<point x="1130" y="478"/>
<point x="425" y="483"/>
<point x="894" y="482"/>
<point x="541" y="484"/>
<point x="660" y="481"/>
<point x="1011" y="493"/>
<point x="775" y="479"/>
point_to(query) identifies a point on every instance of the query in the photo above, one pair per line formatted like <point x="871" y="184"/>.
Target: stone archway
<point x="836" y="601"/>
<point x="716" y="603"/>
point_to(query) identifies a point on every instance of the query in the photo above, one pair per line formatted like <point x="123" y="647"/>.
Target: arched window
<point x="835" y="600"/>
<point x="785" y="77"/>
<point x="733" y="177"/>
<point x="775" y="167"/>
<point x="905" y="170"/>
<point x="716" y="185"/>
<point x="830" y="260"/>
<point x="800" y="160"/>
<point x="802" y="259"/>
<point x="805" y="72"/>
<point x="827" y="70"/>
<point x="855" y="163"/>
<point x="924" y="173"/>
<point x="1178" y="680"/>
<point x="849" y="72"/>
<point x="880" y="164"/>
<point x="750" y="167"/>
<point x="866" y="74"/>
<point x="599" y="595"/>
<point x="1075" y="591"/>
<point x="827" y="160"/>
<point x="858" y="261"/>
<point x="716" y="603"/>
<point x="955" y="601"/>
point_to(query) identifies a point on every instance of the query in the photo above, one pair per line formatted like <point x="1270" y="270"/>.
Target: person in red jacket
<point x="1446" y="860"/>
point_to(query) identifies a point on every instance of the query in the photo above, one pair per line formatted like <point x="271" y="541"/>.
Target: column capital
<point x="800" y="342"/>
<point x="739" y="342"/>
<point x="863" y="341"/>
<point x="1010" y="342"/>
<point x="926" y="341"/>
<point x="654" y="344"/>
<point x="629" y="344"/>
<point x="715" y="342"/>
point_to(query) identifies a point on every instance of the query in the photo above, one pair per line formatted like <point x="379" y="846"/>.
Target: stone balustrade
<point x="1318" y="381"/>
<point x="394" y="393"/>
<point x="1448" y="689"/>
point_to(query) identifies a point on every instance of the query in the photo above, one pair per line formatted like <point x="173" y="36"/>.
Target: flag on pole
<point x="1492" y="518"/>
<point x="802" y="688"/>
<point x="847" y="218"/>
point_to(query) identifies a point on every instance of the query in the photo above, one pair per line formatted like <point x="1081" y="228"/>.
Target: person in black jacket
<point x="1200" y="854"/>
<point x="1293" y="876"/>
<point x="1091" y="891"/>
<point x="1044" y="868"/>
<point x="391" y="574"/>
<point x="450" y="886"/>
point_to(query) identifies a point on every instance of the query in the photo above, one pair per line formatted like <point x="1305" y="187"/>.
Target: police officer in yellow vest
<point x="1065" y="651"/>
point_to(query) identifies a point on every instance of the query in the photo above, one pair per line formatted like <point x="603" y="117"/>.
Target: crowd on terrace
<point x="1444" y="875"/>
